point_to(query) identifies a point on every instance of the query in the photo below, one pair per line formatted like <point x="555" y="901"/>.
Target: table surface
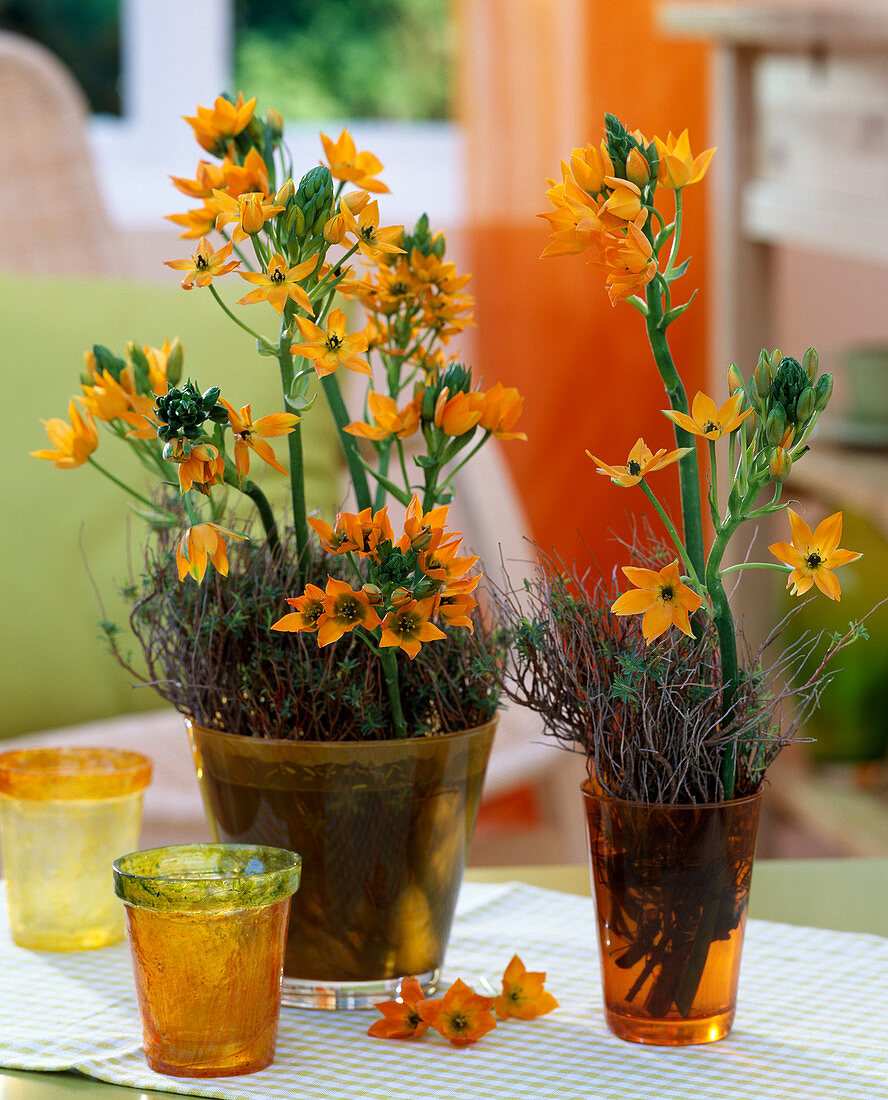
<point x="847" y="895"/>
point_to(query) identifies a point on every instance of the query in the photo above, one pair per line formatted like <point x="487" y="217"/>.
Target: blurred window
<point x="84" y="34"/>
<point x="336" y="59"/>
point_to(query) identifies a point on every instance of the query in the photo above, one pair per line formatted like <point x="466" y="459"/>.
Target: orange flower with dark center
<point x="707" y="419"/>
<point x="409" y="626"/>
<point x="204" y="264"/>
<point x="400" y="1018"/>
<point x="73" y="442"/>
<point x="212" y="126"/>
<point x="661" y="597"/>
<point x="454" y="605"/>
<point x="335" y="540"/>
<point x="250" y="435"/>
<point x="198" y="222"/>
<point x="366" y="531"/>
<point x="346" y="163"/>
<point x="202" y="543"/>
<point x="345" y="609"/>
<point x="814" y="556"/>
<point x="523" y="996"/>
<point x="641" y="462"/>
<point x="441" y="563"/>
<point x="332" y="348"/>
<point x="422" y="530"/>
<point x="388" y="419"/>
<point x="461" y="1015"/>
<point x="279" y="283"/>
<point x="371" y="238"/>
<point x="308" y="614"/>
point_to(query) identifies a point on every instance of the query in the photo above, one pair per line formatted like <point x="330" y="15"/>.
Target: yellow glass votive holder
<point x="207" y="926"/>
<point x="65" y="814"/>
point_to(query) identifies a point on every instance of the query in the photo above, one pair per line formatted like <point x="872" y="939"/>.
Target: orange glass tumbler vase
<point x="671" y="887"/>
<point x="207" y="925"/>
<point x="65" y="814"/>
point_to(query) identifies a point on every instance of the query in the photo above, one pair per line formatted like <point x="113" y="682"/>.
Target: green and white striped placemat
<point x="812" y="1022"/>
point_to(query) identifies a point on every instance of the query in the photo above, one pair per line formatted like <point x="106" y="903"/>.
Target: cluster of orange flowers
<point x="606" y="208"/>
<point x="461" y="1015"/>
<point x="410" y="581"/>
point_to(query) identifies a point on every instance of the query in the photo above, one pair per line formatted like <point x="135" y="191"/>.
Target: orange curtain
<point x="536" y="78"/>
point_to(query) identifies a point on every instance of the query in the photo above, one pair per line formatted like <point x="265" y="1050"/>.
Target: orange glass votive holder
<point x="207" y="926"/>
<point x="65" y="814"/>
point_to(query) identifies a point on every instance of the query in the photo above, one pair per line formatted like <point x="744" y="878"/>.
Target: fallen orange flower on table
<point x="523" y="995"/>
<point x="461" y="1015"/>
<point x="400" y="1017"/>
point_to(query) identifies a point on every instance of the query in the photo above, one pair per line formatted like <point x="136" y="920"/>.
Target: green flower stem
<point x="348" y="442"/>
<point x="688" y="473"/>
<point x="297" y="465"/>
<point x="403" y="465"/>
<point x="756" y="565"/>
<point x="676" y="236"/>
<point x="727" y="642"/>
<point x="713" y="487"/>
<point x="266" y="515"/>
<point x="236" y="320"/>
<point x="121" y="484"/>
<point x="385" y="453"/>
<point x="399" y="494"/>
<point x="673" y="534"/>
<point x="389" y="658"/>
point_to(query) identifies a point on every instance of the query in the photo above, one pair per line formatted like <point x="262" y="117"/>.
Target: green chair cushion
<point x="70" y="538"/>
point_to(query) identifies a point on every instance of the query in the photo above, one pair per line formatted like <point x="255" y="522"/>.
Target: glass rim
<point x="205" y="877"/>
<point x="342" y="746"/>
<point x="588" y="794"/>
<point x="56" y="772"/>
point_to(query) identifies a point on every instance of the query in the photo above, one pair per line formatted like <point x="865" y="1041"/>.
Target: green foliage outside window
<point x="335" y="59"/>
<point x="83" y="34"/>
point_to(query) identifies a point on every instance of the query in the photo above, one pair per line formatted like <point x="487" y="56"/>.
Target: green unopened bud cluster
<point x="422" y="240"/>
<point x="311" y="206"/>
<point x="620" y="146"/>
<point x="183" y="412"/>
<point x="788" y="397"/>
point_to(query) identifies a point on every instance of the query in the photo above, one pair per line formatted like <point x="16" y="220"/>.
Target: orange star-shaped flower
<point x="502" y="407"/>
<point x="332" y="348"/>
<point x="279" y="283"/>
<point x="661" y="597"/>
<point x="250" y="435"/>
<point x="370" y="237"/>
<point x="204" y="264"/>
<point x="346" y="163"/>
<point x="409" y="627"/>
<point x="461" y="1015"/>
<point x="73" y="442"/>
<point x="389" y="419"/>
<point x="523" y="995"/>
<point x="641" y="462"/>
<point x="309" y="611"/>
<point x="250" y="211"/>
<point x="213" y="125"/>
<point x="199" y="543"/>
<point x="707" y="419"/>
<point x="400" y="1018"/>
<point x="344" y="609"/>
<point x="678" y="166"/>
<point x="814" y="556"/>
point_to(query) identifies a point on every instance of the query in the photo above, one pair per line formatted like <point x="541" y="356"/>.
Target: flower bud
<point x="780" y="465"/>
<point x="790" y="382"/>
<point x="763" y="376"/>
<point x="400" y="596"/>
<point x="774" y="359"/>
<point x="805" y="405"/>
<point x="274" y="121"/>
<point x="735" y="379"/>
<point x="314" y="197"/>
<point x="285" y="193"/>
<point x="175" y="362"/>
<point x="252" y="216"/>
<point x="775" y="426"/>
<point x="823" y="392"/>
<point x="811" y="364"/>
<point x="373" y="594"/>
<point x="334" y="229"/>
<point x="638" y="171"/>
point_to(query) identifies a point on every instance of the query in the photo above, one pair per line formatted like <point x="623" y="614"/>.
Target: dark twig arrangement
<point x="649" y="719"/>
<point x="211" y="653"/>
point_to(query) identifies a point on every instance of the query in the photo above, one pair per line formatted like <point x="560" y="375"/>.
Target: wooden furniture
<point x="799" y="95"/>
